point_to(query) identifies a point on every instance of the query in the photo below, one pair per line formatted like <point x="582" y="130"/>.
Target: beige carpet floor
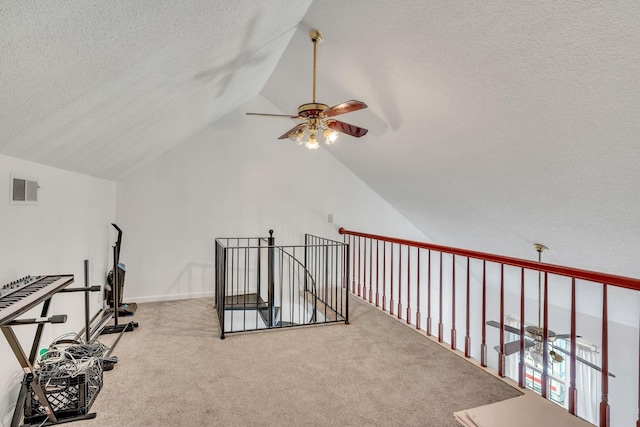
<point x="175" y="371"/>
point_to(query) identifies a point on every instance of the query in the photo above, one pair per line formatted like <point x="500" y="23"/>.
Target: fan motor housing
<point x="312" y="110"/>
<point x="536" y="333"/>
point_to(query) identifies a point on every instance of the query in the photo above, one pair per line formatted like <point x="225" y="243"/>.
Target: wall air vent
<point x="24" y="190"/>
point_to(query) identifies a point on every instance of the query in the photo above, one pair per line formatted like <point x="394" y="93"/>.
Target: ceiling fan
<point x="318" y="118"/>
<point x="534" y="335"/>
<point x="534" y="345"/>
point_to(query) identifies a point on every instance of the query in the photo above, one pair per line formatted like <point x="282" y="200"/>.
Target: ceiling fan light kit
<point x="317" y="118"/>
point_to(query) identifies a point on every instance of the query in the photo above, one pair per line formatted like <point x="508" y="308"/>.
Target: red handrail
<point x="593" y="276"/>
<point x="603" y="279"/>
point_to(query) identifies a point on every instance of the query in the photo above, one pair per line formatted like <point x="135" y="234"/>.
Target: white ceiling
<point x="493" y="124"/>
<point x="102" y="87"/>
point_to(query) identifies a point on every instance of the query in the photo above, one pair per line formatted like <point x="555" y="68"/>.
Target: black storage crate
<point x="67" y="395"/>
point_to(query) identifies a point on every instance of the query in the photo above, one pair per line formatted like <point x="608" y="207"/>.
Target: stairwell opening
<point x="261" y="285"/>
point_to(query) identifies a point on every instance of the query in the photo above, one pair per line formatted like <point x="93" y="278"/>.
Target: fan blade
<point x="567" y="336"/>
<point x="506" y="327"/>
<point x="347" y="128"/>
<point x="345" y="107"/>
<point x="274" y="115"/>
<point x="301" y="126"/>
<point x="513" y="347"/>
<point x="580" y="359"/>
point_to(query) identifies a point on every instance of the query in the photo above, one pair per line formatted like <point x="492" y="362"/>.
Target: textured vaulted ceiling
<point x="493" y="124"/>
<point x="100" y="87"/>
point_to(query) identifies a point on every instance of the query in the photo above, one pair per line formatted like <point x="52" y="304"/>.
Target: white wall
<point x="69" y="224"/>
<point x="235" y="179"/>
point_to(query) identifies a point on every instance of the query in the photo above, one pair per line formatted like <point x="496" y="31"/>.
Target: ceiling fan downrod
<point x="540" y="248"/>
<point x="316" y="37"/>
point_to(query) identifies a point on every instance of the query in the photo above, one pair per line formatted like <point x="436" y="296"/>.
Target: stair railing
<point x="416" y="281"/>
<point x="261" y="285"/>
<point x="230" y="254"/>
<point x="327" y="261"/>
<point x="286" y="258"/>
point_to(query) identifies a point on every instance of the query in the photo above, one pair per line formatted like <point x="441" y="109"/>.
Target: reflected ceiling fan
<point x="534" y="335"/>
<point x="534" y="345"/>
<point x="317" y="118"/>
